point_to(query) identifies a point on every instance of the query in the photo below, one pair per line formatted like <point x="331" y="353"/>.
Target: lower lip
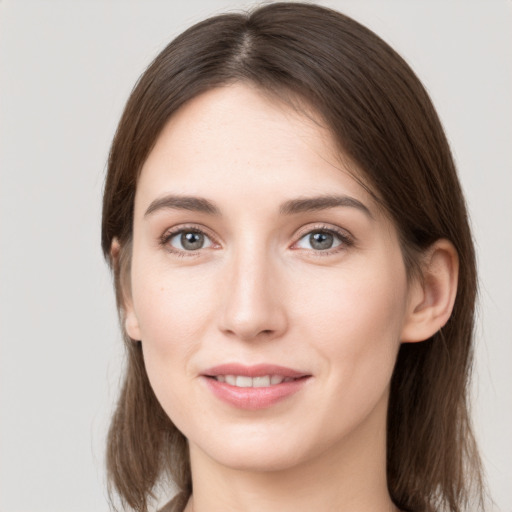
<point x="254" y="398"/>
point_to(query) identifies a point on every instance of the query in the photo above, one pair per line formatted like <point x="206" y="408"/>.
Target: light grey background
<point x="66" y="69"/>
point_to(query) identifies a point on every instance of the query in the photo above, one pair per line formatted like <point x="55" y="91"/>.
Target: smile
<point x="243" y="381"/>
<point x="254" y="387"/>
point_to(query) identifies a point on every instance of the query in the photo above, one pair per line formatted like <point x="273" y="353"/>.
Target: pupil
<point x="321" y="240"/>
<point x="192" y="241"/>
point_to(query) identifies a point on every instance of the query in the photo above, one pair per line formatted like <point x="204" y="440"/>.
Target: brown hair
<point x="383" y="119"/>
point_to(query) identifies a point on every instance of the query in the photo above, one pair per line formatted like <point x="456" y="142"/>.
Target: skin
<point x="258" y="291"/>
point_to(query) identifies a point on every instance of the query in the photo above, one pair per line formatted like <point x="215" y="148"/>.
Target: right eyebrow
<point x="173" y="202"/>
<point x="324" y="202"/>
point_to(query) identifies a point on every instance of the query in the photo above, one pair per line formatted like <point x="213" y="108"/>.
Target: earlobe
<point x="115" y="248"/>
<point x="131" y="324"/>
<point x="121" y="265"/>
<point x="432" y="297"/>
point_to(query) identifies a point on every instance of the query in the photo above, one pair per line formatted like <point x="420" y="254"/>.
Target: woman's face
<point x="268" y="289"/>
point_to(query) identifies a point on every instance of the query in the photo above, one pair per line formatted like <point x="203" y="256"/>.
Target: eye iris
<point x="321" y="240"/>
<point x="192" y="240"/>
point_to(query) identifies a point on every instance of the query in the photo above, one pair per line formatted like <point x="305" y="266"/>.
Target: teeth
<point x="276" y="379"/>
<point x="242" y="381"/>
<point x="261" y="382"/>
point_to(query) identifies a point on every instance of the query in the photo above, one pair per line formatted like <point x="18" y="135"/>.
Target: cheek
<point x="171" y="306"/>
<point x="174" y="312"/>
<point x="356" y="321"/>
<point x="174" y="309"/>
<point x="364" y="298"/>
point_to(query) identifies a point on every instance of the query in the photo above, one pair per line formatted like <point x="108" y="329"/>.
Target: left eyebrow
<point x="323" y="202"/>
<point x="172" y="202"/>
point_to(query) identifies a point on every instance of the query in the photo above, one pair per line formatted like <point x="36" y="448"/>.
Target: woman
<point x="295" y="276"/>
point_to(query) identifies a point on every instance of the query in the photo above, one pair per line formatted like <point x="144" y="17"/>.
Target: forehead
<point x="239" y="139"/>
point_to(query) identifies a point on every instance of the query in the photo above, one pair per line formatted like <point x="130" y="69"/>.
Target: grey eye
<point x="319" y="240"/>
<point x="190" y="241"/>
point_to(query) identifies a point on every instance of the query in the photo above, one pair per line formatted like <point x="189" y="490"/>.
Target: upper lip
<point x="258" y="370"/>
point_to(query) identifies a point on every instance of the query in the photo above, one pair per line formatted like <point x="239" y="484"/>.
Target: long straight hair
<point x="382" y="118"/>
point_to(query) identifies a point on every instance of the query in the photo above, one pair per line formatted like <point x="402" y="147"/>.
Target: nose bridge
<point x="252" y="304"/>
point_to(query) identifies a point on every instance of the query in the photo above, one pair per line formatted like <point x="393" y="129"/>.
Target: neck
<point x="350" y="476"/>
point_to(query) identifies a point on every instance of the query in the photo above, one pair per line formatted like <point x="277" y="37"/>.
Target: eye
<point x="188" y="240"/>
<point x="322" y="240"/>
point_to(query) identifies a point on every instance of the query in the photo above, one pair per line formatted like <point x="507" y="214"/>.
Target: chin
<point x="258" y="451"/>
<point x="257" y="459"/>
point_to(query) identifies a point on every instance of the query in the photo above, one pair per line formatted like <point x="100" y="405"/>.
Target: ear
<point x="432" y="295"/>
<point x="121" y="263"/>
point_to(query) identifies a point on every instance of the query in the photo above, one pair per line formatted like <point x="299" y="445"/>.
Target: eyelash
<point x="346" y="240"/>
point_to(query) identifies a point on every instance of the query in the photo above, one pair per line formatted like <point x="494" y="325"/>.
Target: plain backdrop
<point x="66" y="69"/>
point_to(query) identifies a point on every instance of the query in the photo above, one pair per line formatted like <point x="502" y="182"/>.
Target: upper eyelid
<point x="344" y="233"/>
<point x="170" y="232"/>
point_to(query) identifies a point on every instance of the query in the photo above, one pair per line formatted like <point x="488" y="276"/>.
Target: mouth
<point x="254" y="387"/>
<point x="243" y="381"/>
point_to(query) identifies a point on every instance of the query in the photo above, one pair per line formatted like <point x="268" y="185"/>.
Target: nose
<point x="252" y="298"/>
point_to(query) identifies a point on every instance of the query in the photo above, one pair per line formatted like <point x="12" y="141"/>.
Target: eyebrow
<point x="193" y="204"/>
<point x="291" y="207"/>
<point x="323" y="202"/>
